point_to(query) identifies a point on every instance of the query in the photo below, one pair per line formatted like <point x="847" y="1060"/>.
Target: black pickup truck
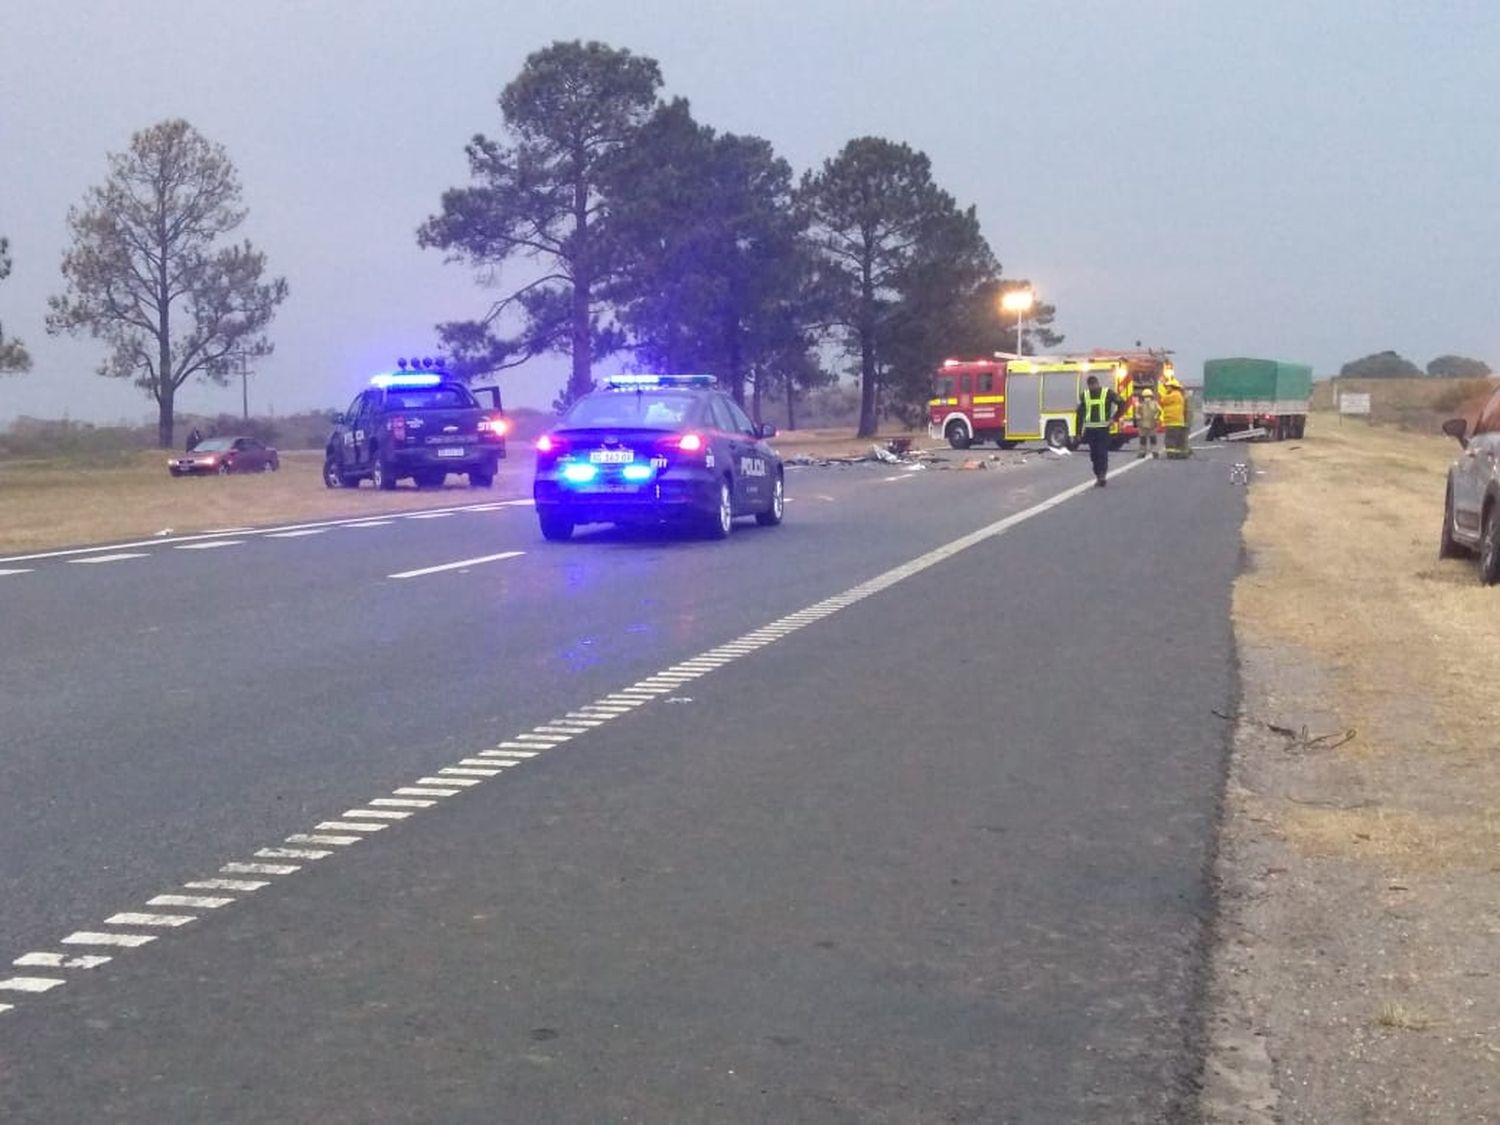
<point x="422" y="425"/>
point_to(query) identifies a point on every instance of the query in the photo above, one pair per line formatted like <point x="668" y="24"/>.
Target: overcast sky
<point x="1305" y="179"/>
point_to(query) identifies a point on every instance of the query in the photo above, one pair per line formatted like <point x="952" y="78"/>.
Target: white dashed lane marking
<point x="296" y="534"/>
<point x="196" y="902"/>
<point x="120" y="557"/>
<point x="124" y="941"/>
<point x="450" y="781"/>
<point x="456" y="565"/>
<point x="133" y="918"/>
<point x="30" y="984"/>
<point x="60" y="961"/>
<point x="212" y="544"/>
<point x="15" y="570"/>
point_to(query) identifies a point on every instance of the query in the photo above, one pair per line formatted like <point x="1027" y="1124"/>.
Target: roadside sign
<point x="1354" y="404"/>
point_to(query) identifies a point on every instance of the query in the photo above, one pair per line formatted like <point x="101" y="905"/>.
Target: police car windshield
<point x="650" y="410"/>
<point x="428" y="398"/>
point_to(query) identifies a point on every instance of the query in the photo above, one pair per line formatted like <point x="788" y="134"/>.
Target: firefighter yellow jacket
<point x="1173" y="407"/>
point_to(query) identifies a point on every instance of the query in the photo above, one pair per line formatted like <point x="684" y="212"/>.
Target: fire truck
<point x="1009" y="399"/>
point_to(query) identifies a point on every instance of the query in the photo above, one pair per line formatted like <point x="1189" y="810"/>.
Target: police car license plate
<point x="612" y="456"/>
<point x="451" y="451"/>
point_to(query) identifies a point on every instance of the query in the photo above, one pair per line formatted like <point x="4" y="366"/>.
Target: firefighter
<point x="1098" y="409"/>
<point x="1174" y="418"/>
<point x="1147" y="417"/>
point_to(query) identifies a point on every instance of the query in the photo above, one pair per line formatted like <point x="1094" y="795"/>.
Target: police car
<point x="657" y="448"/>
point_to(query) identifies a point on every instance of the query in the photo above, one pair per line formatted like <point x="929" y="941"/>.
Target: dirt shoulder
<point x="1357" y="970"/>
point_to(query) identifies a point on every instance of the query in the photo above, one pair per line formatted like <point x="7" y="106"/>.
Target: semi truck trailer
<point x="1245" y="395"/>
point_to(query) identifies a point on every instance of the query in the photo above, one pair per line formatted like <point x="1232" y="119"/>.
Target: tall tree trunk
<point x="868" y="419"/>
<point x="736" y="360"/>
<point x="755" y="397"/>
<point x="164" y="419"/>
<point x="581" y="380"/>
<point x="867" y="370"/>
<point x="166" y="387"/>
<point x="791" y="403"/>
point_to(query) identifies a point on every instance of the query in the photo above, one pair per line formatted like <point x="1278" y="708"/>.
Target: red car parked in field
<point x="225" y="455"/>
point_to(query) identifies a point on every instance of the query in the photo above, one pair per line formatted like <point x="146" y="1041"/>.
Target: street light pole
<point x="1018" y="301"/>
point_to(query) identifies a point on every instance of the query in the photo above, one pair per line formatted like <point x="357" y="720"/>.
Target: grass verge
<point x="46" y="503"/>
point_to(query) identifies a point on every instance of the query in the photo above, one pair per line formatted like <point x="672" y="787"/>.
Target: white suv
<point x="1471" y="512"/>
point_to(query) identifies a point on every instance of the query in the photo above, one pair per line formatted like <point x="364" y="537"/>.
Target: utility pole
<point x="241" y="366"/>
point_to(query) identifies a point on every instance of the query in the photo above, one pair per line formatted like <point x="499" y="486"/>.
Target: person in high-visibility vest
<point x="1098" y="409"/>
<point x="1174" y="418"/>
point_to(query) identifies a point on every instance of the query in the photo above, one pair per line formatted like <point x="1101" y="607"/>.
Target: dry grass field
<point x="1359" y="928"/>
<point x="1344" y="530"/>
<point x="107" y="498"/>
<point x="1412" y="404"/>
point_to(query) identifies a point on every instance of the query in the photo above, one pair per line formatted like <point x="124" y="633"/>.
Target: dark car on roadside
<point x="220" y="456"/>
<point x="1471" y="508"/>
<point x="656" y="449"/>
<point x="416" y="424"/>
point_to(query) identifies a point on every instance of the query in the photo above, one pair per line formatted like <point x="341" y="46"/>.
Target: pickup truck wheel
<point x="1489" y="548"/>
<point x="223" y="468"/>
<point x="382" y="476"/>
<point x="556" y="528"/>
<point x="957" y="435"/>
<point x="332" y="478"/>
<point x="1057" y="435"/>
<point x="1449" y="547"/>
<point x="481" y="480"/>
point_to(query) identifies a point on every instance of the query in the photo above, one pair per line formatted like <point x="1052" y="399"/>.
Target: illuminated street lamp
<point x="1018" y="301"/>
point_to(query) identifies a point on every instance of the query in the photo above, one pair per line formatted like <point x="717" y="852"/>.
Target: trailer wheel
<point x="957" y="435"/>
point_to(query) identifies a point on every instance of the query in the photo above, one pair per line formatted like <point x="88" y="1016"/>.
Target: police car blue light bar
<point x="406" y="379"/>
<point x="645" y="382"/>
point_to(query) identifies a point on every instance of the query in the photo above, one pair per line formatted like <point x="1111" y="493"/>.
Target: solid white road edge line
<point x="532" y="744"/>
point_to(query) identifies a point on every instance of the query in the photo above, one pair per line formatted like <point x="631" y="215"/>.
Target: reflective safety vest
<point x="1096" y="409"/>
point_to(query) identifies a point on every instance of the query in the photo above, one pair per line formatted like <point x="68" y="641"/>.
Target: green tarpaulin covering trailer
<point x="1243" y="396"/>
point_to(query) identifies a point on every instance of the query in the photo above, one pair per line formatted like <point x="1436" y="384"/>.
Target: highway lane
<point x="164" y="711"/>
<point x="867" y="723"/>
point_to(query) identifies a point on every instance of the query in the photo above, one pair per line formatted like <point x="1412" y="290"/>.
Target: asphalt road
<point x="923" y="837"/>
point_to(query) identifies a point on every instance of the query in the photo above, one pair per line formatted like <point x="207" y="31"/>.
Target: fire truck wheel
<point x="1057" y="435"/>
<point x="957" y="436"/>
